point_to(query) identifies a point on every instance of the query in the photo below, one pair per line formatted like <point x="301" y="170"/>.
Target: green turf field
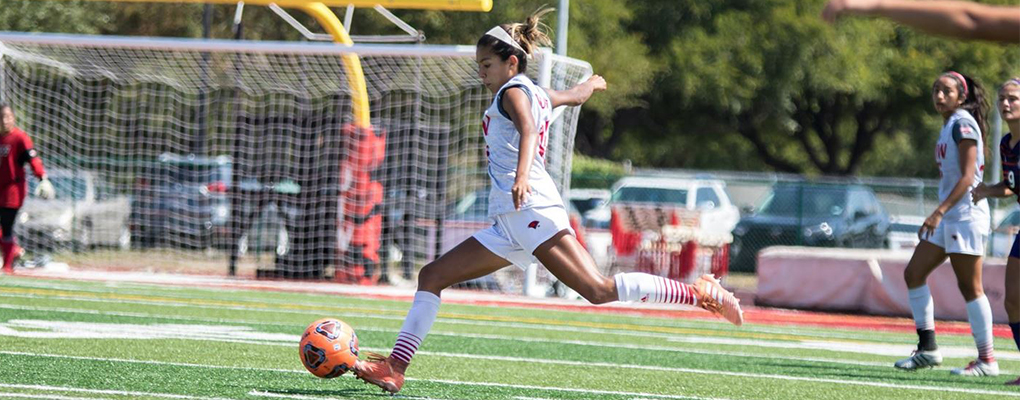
<point x="70" y="340"/>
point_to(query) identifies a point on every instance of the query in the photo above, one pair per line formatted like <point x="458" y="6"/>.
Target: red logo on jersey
<point x="533" y="225"/>
<point x="543" y="103"/>
<point x="940" y="151"/>
<point x="485" y="125"/>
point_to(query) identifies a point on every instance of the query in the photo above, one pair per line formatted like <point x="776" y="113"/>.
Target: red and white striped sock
<point x="979" y="313"/>
<point x="647" y="288"/>
<point x="416" y="326"/>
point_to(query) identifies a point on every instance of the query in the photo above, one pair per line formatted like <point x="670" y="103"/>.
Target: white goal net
<point x="186" y="152"/>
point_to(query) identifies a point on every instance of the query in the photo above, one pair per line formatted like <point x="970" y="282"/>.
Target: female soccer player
<point x="15" y="150"/>
<point x="1009" y="150"/>
<point x="957" y="228"/>
<point x="529" y="218"/>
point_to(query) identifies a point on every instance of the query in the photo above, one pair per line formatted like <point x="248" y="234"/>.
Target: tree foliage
<point x="728" y="84"/>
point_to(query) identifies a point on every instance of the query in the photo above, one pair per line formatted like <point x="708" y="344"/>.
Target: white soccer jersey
<point x="501" y="148"/>
<point x="961" y="125"/>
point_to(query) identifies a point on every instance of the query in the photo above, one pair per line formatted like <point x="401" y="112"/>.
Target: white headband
<point x="499" y="33"/>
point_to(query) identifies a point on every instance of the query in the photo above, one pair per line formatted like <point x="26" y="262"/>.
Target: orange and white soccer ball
<point x="329" y="348"/>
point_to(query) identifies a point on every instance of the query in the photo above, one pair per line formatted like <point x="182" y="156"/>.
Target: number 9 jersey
<point x="501" y="149"/>
<point x="1010" y="156"/>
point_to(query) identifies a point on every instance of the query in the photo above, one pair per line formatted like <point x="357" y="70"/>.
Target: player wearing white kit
<point x="529" y="218"/>
<point x="957" y="228"/>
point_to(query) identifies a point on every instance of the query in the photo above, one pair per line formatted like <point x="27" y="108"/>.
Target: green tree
<point x="798" y="95"/>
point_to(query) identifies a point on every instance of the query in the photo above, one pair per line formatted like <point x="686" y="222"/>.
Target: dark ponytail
<point x="529" y="35"/>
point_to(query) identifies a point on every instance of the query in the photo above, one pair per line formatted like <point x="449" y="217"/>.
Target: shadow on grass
<point x="334" y="393"/>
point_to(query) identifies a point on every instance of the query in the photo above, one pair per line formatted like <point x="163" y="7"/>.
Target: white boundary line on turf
<point x="403" y="308"/>
<point x="49" y="284"/>
<point x="886" y="350"/>
<point x="402" y="311"/>
<point x="451" y="382"/>
<point x="609" y="365"/>
<point x="261" y="393"/>
<point x="49" y="396"/>
<point x="485" y="337"/>
<point x="521" y="325"/>
<point x="104" y="391"/>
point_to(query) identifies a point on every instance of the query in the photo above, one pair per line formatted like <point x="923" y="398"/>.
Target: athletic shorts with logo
<point x="961" y="237"/>
<point x="514" y="236"/>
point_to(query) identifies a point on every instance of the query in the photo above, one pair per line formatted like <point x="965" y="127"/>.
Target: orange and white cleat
<point x="712" y="297"/>
<point x="384" y="372"/>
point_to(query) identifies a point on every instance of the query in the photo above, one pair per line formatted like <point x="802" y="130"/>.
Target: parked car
<point x="583" y="200"/>
<point x="1000" y="241"/>
<point x="805" y="214"/>
<point x="85" y="212"/>
<point x="182" y="200"/>
<point x="903" y="232"/>
<point x="705" y="195"/>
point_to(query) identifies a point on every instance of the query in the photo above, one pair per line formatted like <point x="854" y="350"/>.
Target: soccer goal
<point x="172" y="152"/>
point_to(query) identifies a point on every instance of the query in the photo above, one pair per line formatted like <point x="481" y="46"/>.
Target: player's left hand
<point x="519" y="192"/>
<point x="929" y="225"/>
<point x="45" y="189"/>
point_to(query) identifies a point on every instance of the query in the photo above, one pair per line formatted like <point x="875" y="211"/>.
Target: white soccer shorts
<point x="515" y="236"/>
<point x="961" y="237"/>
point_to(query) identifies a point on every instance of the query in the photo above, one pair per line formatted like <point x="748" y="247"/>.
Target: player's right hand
<point x="45" y="189"/>
<point x="929" y="225"/>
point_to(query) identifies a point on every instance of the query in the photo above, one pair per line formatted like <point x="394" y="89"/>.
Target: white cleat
<point x="977" y="368"/>
<point x="920" y="359"/>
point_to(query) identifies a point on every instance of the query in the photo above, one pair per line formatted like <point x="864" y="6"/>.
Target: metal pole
<point x="563" y="16"/>
<point x="996" y="171"/>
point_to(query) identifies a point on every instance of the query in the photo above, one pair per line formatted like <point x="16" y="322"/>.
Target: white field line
<point x="834" y="346"/>
<point x="443" y="381"/>
<point x="488" y="337"/>
<point x="368" y="310"/>
<point x="583" y="364"/>
<point x="260" y="393"/>
<point x="48" y="396"/>
<point x="108" y="392"/>
<point x="520" y="325"/>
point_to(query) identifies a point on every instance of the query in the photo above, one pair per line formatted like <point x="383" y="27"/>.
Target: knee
<point x="429" y="279"/>
<point x="969" y="290"/>
<point x="1012" y="300"/>
<point x="600" y="293"/>
<point x="912" y="278"/>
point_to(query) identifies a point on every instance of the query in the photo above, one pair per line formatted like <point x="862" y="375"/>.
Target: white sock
<point x="417" y="324"/>
<point x="923" y="308"/>
<point x="636" y="286"/>
<point x="979" y="313"/>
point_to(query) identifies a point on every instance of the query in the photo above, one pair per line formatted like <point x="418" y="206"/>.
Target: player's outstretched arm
<point x="577" y="95"/>
<point x="959" y="19"/>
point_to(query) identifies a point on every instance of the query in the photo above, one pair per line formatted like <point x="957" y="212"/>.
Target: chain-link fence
<point x="769" y="209"/>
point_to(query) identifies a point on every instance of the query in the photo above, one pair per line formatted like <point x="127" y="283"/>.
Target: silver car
<point x="85" y="212"/>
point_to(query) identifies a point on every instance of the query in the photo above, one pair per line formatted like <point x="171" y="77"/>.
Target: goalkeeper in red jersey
<point x="15" y="150"/>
